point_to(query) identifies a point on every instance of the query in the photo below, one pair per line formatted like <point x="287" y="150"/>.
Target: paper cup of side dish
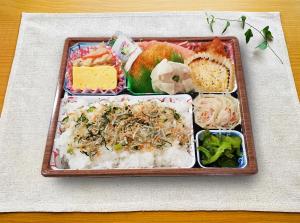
<point x="93" y="69"/>
<point x="235" y="158"/>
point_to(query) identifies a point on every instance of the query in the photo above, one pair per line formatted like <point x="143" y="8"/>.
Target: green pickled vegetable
<point x="224" y="146"/>
<point x="226" y="162"/>
<point x="205" y="151"/>
<point x="235" y="141"/>
<point x="219" y="150"/>
<point x="228" y="153"/>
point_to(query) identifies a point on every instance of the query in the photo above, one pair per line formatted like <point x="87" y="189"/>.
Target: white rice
<point x="172" y="156"/>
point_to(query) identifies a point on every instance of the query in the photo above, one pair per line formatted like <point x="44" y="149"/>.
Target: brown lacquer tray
<point x="244" y="127"/>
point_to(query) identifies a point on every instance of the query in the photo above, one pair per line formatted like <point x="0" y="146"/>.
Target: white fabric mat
<point x="273" y="102"/>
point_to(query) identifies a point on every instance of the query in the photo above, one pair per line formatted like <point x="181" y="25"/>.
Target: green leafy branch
<point x="265" y="32"/>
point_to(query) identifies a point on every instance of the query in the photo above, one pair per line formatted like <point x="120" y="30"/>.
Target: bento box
<point x="168" y="107"/>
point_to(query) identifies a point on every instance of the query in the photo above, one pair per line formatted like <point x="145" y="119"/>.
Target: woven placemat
<point x="273" y="103"/>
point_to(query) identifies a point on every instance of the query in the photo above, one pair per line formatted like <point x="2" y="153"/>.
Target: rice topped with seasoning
<point x="124" y="134"/>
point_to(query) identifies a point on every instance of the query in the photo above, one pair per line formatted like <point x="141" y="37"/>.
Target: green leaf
<point x="263" y="45"/>
<point x="212" y="21"/>
<point x="226" y="26"/>
<point x="211" y="27"/>
<point x="248" y="35"/>
<point x="140" y="83"/>
<point x="267" y="34"/>
<point x="176" y="57"/>
<point x="243" y="18"/>
<point x="207" y="19"/>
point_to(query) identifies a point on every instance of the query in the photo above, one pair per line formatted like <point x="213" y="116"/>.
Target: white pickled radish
<point x="217" y="111"/>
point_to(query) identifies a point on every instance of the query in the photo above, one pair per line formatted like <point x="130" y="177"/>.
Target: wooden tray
<point x="251" y="167"/>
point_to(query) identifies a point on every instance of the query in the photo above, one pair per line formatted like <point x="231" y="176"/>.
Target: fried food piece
<point x="215" y="47"/>
<point x="96" y="57"/>
<point x="139" y="74"/>
<point x="150" y="57"/>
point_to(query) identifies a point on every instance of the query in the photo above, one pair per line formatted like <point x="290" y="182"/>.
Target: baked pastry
<point x="211" y="72"/>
